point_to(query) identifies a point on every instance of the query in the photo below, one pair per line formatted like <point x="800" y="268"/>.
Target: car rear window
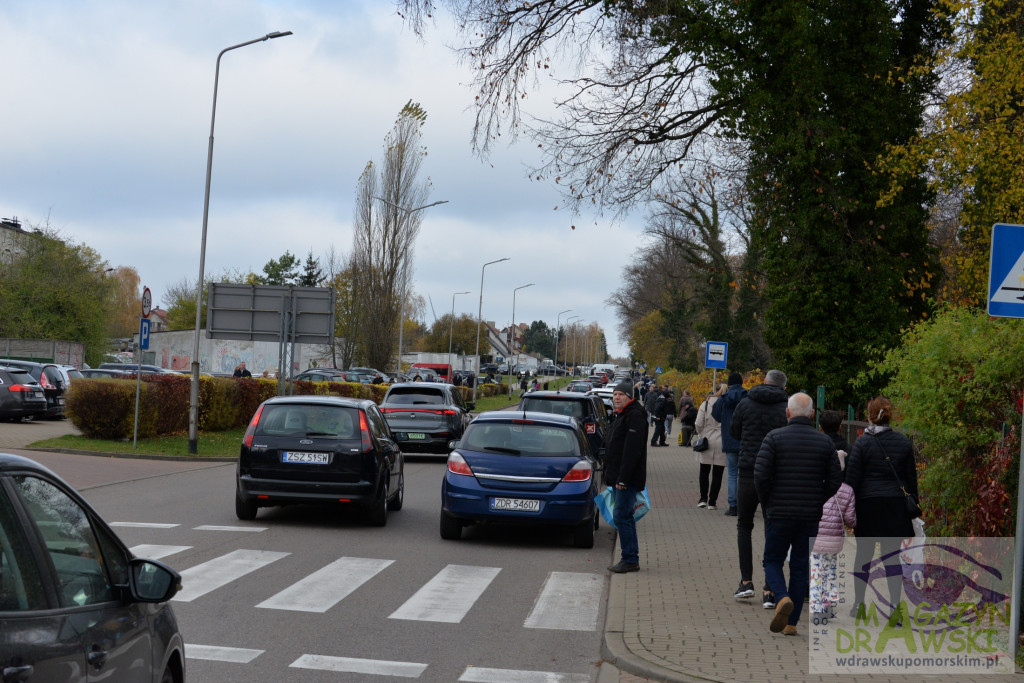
<point x="19" y="377"/>
<point x="309" y="420"/>
<point x="556" y="406"/>
<point x="413" y="396"/>
<point x="518" y="438"/>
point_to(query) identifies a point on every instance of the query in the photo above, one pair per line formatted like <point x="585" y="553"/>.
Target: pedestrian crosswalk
<point x="568" y="601"/>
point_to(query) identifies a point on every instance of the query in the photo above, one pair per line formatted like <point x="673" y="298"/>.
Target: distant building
<point x="12" y="237"/>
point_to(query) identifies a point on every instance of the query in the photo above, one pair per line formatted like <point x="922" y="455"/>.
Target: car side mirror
<point x="152" y="581"/>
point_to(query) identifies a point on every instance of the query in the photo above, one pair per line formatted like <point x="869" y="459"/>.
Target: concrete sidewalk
<point x="676" y="619"/>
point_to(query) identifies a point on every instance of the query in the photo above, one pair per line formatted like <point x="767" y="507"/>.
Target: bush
<point x="172" y="398"/>
<point x="105" y="408"/>
<point x="955" y="381"/>
<point x="219" y="404"/>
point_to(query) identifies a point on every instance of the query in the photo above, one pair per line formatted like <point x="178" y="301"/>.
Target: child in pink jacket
<point x="837" y="512"/>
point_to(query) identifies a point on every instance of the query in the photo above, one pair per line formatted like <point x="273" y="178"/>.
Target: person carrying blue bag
<point x="625" y="470"/>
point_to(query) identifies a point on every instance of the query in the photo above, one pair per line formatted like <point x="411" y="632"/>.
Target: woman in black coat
<point x="880" y="465"/>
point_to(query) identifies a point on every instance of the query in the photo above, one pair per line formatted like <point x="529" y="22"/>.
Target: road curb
<point x="133" y="456"/>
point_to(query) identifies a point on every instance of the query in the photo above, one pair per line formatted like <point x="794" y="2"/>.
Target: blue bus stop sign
<point x="1006" y="272"/>
<point x="716" y="355"/>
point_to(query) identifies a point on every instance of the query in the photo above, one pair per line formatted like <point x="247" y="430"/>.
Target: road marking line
<point x="144" y="525"/>
<point x="568" y="601"/>
<point x="155" y="552"/>
<point x="359" y="666"/>
<point x="325" y="588"/>
<point x="478" y="675"/>
<point x="213" y="653"/>
<point x="203" y="578"/>
<point x="214" y="527"/>
<point x="448" y="596"/>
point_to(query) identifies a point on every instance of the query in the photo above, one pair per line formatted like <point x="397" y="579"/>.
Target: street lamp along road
<point x="512" y="338"/>
<point x="479" y="313"/>
<point x="451" y="332"/>
<point x="558" y="328"/>
<point x="401" y="315"/>
<point x="193" y="407"/>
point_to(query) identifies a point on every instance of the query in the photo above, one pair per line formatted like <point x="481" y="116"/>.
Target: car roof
<point x="421" y="385"/>
<point x="558" y="395"/>
<point x="11" y="462"/>
<point x="534" y="416"/>
<point x="320" y="400"/>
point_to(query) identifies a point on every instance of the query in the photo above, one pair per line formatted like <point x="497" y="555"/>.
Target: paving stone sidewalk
<point x="676" y="619"/>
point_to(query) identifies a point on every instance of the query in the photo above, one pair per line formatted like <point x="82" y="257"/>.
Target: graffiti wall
<point x="173" y="350"/>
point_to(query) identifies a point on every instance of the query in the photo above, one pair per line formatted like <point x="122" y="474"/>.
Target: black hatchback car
<point x="75" y="605"/>
<point x="588" y="409"/>
<point x="51" y="379"/>
<point x="426" y="416"/>
<point x="319" y="450"/>
<point x="21" y="396"/>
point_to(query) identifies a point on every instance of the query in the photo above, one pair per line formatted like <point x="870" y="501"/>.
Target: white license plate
<point x="517" y="504"/>
<point x="309" y="458"/>
<point x="416" y="435"/>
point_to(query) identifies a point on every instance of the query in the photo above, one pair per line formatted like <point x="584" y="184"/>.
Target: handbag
<point x="912" y="507"/>
<point x="700" y="444"/>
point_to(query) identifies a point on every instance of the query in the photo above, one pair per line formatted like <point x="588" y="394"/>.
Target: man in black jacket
<point x="625" y="469"/>
<point x="658" y="415"/>
<point x="763" y="410"/>
<point x="796" y="471"/>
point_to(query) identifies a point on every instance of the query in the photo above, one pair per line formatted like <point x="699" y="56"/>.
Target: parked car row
<point x="53" y="379"/>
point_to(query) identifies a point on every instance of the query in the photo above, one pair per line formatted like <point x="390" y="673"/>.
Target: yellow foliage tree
<point x="648" y="343"/>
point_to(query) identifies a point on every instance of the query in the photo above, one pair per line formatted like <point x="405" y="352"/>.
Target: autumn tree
<point x="385" y="229"/>
<point x="125" y="304"/>
<point x="462" y="329"/>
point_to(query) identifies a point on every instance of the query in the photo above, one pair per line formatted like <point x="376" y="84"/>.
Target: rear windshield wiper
<point x="502" y="449"/>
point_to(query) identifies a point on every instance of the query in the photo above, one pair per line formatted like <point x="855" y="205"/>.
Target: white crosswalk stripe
<point x="143" y="525"/>
<point x="208" y="576"/>
<point x="213" y="653"/>
<point x="359" y="666"/>
<point x="155" y="552"/>
<point x="325" y="588"/>
<point x="216" y="527"/>
<point x="449" y="595"/>
<point x="475" y="674"/>
<point x="569" y="601"/>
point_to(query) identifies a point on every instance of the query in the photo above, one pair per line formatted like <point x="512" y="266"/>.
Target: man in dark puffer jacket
<point x="625" y="469"/>
<point x="796" y="471"/>
<point x="763" y="410"/>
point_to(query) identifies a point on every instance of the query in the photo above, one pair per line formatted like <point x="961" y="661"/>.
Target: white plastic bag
<point x="912" y="556"/>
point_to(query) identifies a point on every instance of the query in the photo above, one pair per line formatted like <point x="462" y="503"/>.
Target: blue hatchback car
<point x="522" y="467"/>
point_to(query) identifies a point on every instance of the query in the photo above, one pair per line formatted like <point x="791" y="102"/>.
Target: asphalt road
<point x="310" y="594"/>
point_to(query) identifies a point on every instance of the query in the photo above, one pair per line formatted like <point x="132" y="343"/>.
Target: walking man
<point x="722" y="411"/>
<point x="797" y="469"/>
<point x="659" y="414"/>
<point x="625" y="469"/>
<point x="763" y="410"/>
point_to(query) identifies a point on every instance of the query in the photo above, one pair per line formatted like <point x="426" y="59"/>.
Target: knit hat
<point x="625" y="387"/>
<point x="735" y="378"/>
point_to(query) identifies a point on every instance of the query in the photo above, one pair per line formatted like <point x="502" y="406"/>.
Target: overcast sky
<point x="106" y="121"/>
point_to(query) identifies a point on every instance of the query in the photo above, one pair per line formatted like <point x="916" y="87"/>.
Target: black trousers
<point x="715" y="471"/>
<point x="746" y="505"/>
<point x="659" y="432"/>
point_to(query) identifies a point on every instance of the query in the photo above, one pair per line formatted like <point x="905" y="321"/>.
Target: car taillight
<point x="581" y="471"/>
<point x="251" y="431"/>
<point x="457" y="465"/>
<point x="364" y="431"/>
<point x="45" y="383"/>
<point x="20" y="387"/>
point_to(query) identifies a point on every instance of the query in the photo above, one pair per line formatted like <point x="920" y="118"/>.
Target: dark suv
<point x="21" y="396"/>
<point x="51" y="378"/>
<point x="426" y="416"/>
<point x="588" y="409"/>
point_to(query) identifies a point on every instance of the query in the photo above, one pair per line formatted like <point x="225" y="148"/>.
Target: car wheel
<point x="168" y="676"/>
<point x="597" y="520"/>
<point x="451" y="528"/>
<point x="244" y="509"/>
<point x="396" y="502"/>
<point x="378" y="515"/>
<point x="583" y="535"/>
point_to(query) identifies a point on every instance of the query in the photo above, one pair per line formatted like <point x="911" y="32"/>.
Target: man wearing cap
<point x="625" y="470"/>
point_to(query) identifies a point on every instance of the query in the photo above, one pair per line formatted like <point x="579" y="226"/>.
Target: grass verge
<point x="211" y="444"/>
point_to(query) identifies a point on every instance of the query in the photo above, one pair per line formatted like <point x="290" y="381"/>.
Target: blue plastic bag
<point x="605" y="503"/>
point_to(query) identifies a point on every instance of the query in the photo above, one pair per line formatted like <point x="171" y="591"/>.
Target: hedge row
<point x="105" y="408"/>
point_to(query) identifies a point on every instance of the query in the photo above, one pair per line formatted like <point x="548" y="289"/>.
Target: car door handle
<point x="12" y="674"/>
<point x="97" y="657"/>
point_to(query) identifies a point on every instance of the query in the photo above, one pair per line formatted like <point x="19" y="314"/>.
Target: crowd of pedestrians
<point x="788" y="459"/>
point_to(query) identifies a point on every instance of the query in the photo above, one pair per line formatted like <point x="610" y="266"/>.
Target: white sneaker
<point x="702" y="504"/>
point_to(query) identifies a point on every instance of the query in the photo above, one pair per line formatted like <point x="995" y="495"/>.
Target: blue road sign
<point x="658" y="370"/>
<point x="1006" y="272"/>
<point x="716" y="355"/>
<point x="143" y="333"/>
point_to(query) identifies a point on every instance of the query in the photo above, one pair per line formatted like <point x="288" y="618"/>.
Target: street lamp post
<point x="405" y="261"/>
<point x="558" y="329"/>
<point x="573" y="331"/>
<point x="479" y="318"/>
<point x="451" y="332"/>
<point x="512" y="334"/>
<point x="193" y="408"/>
